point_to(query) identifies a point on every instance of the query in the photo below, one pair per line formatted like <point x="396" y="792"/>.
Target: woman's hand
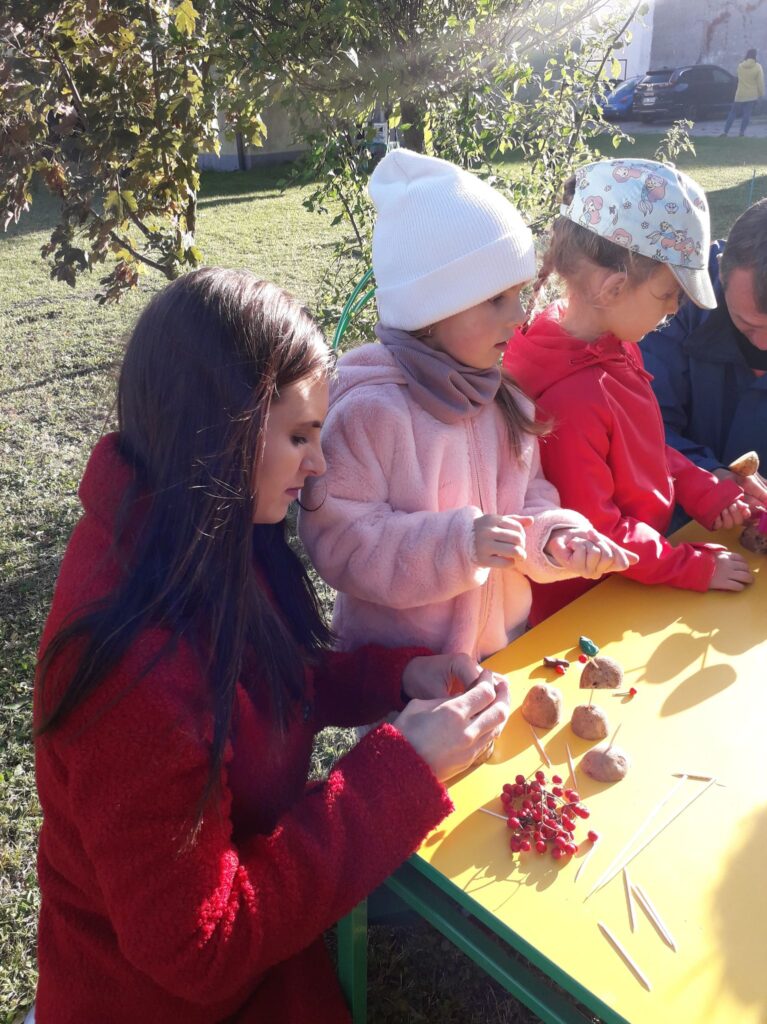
<point x="588" y="553"/>
<point x="439" y="675"/>
<point x="499" y="540"/>
<point x="450" y="734"/>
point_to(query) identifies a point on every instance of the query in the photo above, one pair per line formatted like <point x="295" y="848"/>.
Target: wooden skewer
<point x="629" y="900"/>
<point x="624" y="850"/>
<point x="631" y="964"/>
<point x="571" y="766"/>
<point x="652" y="913"/>
<point x="655" y="834"/>
<point x="585" y="861"/>
<point x="494" y="813"/>
<point x="692" y="775"/>
<point x="541" y="751"/>
<point x="614" y="735"/>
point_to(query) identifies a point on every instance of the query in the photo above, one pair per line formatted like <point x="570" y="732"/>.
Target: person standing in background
<point x="750" y="89"/>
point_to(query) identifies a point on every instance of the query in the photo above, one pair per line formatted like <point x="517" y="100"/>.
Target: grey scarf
<point x="442" y="386"/>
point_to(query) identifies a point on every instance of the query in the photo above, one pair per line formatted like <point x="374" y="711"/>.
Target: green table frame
<point x="440" y="902"/>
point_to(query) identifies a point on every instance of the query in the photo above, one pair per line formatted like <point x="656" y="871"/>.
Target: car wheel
<point x="693" y="112"/>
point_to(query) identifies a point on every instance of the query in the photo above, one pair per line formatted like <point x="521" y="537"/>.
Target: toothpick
<point x="614" y="735"/>
<point x="571" y="766"/>
<point x="656" y="833"/>
<point x="692" y="775"/>
<point x="631" y="964"/>
<point x="585" y="861"/>
<point x="629" y="900"/>
<point x="541" y="751"/>
<point x="493" y="813"/>
<point x="652" y="913"/>
<point x="624" y="850"/>
<point x="591" y="695"/>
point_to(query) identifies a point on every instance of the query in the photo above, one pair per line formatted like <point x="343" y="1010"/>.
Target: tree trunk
<point x="413" y="115"/>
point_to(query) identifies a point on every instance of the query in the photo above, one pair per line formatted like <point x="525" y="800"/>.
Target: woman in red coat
<point x="187" y="869"/>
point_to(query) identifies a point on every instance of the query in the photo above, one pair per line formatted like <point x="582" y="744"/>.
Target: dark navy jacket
<point x="714" y="407"/>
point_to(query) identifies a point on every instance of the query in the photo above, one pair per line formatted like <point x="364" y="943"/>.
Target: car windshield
<point x="624" y="88"/>
<point x="655" y="77"/>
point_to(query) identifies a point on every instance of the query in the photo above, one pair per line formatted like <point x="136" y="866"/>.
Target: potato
<point x="601" y="673"/>
<point x="589" y="722"/>
<point x="606" y="764"/>
<point x="746" y="465"/>
<point x="542" y="707"/>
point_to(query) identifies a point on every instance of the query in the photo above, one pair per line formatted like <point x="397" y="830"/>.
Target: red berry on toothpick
<point x="633" y="691"/>
<point x="582" y="658"/>
<point x="560" y="670"/>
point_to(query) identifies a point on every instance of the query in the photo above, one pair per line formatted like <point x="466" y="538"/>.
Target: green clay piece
<point x="588" y="647"/>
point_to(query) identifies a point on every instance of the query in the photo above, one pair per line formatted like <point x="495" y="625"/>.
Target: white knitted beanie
<point x="443" y="240"/>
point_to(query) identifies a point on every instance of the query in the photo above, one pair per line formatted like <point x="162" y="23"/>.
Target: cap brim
<point x="697" y="285"/>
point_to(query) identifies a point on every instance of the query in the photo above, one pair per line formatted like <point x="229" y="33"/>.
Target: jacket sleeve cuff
<point x="722" y="494"/>
<point x="539" y="566"/>
<point x="408" y="796"/>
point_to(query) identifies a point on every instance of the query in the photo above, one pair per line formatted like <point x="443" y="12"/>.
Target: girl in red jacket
<point x="187" y="870"/>
<point x="630" y="236"/>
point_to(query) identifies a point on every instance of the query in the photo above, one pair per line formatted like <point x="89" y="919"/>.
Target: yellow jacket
<point x="750" y="81"/>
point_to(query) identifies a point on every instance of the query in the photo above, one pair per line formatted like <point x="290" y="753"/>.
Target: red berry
<point x="551" y="803"/>
<point x="571" y="848"/>
<point x="540" y="776"/>
<point x="537" y="814"/>
<point x="505" y="798"/>
<point x="535" y="786"/>
<point x="520" y="780"/>
<point x="557" y="853"/>
<point x="557" y="780"/>
<point x="559" y="669"/>
<point x="582" y="811"/>
<point x="571" y="796"/>
<point x="593" y="836"/>
<point x="540" y="846"/>
<point x="525" y="846"/>
<point x="514" y="844"/>
<point x="513" y="822"/>
<point x="582" y="658"/>
<point x="568" y="825"/>
<point x="633" y="691"/>
<point x="557" y="791"/>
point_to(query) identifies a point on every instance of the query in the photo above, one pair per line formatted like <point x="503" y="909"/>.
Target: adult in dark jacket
<point x="187" y="869"/>
<point x="710" y="366"/>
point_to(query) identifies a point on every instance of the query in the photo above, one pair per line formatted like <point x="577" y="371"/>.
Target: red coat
<point x="138" y="928"/>
<point x="607" y="455"/>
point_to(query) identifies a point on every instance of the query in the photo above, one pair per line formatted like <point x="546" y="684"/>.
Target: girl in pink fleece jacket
<point x="433" y="512"/>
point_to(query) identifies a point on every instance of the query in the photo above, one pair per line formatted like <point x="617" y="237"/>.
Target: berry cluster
<point x="543" y="818"/>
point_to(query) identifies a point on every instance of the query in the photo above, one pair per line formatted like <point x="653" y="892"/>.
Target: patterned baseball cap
<point x="650" y="208"/>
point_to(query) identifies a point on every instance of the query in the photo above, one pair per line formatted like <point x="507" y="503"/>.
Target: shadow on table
<point x="741" y="897"/>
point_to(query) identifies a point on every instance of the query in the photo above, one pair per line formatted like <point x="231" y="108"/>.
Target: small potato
<point x="606" y="764"/>
<point x="601" y="673"/>
<point x="542" y="707"/>
<point x="589" y="722"/>
<point x="746" y="465"/>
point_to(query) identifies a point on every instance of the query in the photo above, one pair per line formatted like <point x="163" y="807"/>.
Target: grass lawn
<point x="58" y="351"/>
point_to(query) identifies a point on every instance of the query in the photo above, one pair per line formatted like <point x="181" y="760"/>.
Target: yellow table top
<point x="698" y="662"/>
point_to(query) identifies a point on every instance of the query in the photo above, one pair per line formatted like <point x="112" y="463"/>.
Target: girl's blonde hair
<point x="571" y="246"/>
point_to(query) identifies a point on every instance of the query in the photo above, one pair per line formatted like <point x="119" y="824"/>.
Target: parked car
<point x="619" y="104"/>
<point x="693" y="91"/>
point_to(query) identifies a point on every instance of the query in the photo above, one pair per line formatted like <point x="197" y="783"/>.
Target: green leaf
<point x="184" y="17"/>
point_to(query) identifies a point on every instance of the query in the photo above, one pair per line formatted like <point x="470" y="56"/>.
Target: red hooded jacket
<point x="140" y="926"/>
<point x="608" y="458"/>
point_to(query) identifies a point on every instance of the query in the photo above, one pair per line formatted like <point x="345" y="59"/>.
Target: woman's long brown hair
<point x="206" y="359"/>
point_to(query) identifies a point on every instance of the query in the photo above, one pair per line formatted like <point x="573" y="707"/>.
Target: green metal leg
<point x="353" y="961"/>
<point x="440" y="911"/>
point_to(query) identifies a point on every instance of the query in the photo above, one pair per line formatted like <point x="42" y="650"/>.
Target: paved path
<point x="701" y="129"/>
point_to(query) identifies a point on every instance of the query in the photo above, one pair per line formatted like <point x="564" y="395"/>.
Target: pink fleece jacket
<point x="391" y="526"/>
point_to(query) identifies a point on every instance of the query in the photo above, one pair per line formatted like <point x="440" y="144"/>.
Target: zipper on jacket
<point x="485" y="606"/>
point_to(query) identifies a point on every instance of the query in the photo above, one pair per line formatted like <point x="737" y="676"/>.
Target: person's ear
<point x="612" y="288"/>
